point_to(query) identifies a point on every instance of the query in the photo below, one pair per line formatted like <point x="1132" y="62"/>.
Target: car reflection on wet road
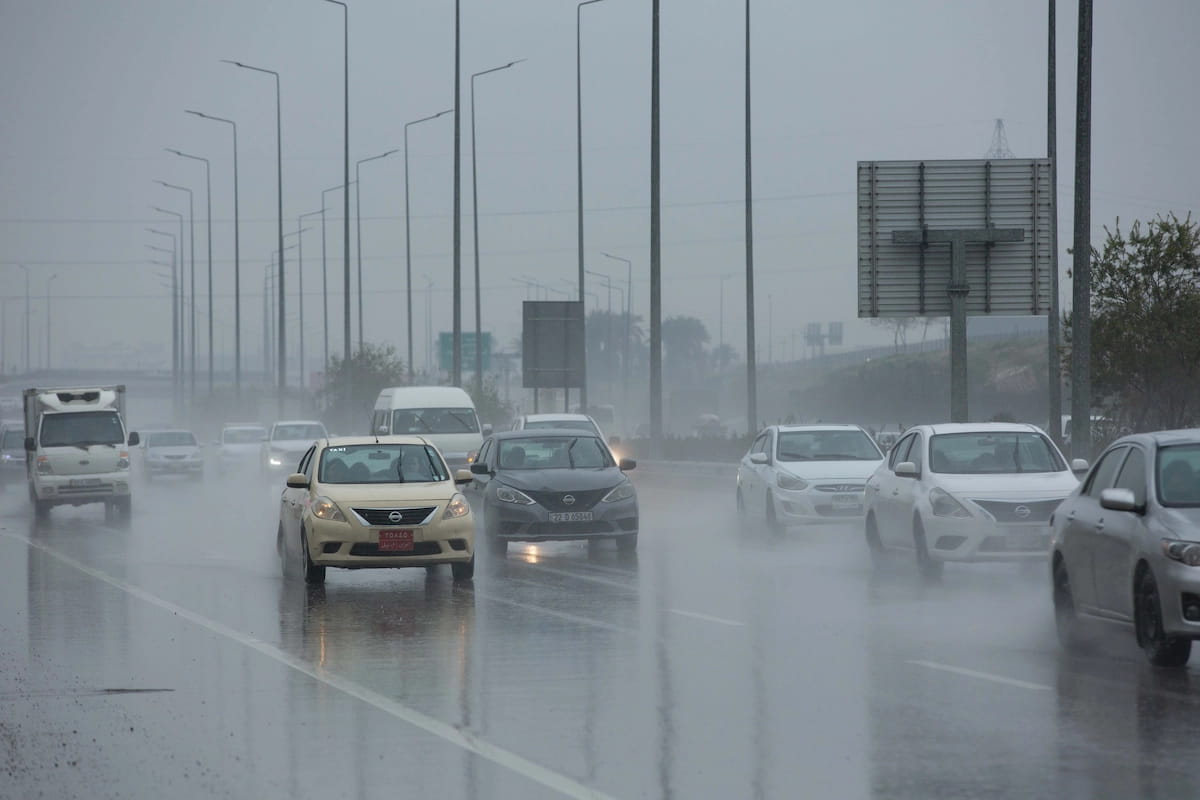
<point x="172" y="659"/>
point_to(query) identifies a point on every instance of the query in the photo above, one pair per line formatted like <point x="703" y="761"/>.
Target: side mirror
<point x="907" y="469"/>
<point x="134" y="439"/>
<point x="29" y="444"/>
<point x="487" y="429"/>
<point x="463" y="476"/>
<point x="627" y="464"/>
<point x="1079" y="465"/>
<point x="758" y="458"/>
<point x="297" y="480"/>
<point x="1119" y="500"/>
<point x="480" y="469"/>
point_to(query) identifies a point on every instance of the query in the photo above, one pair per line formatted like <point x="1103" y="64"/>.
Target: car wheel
<point x="874" y="542"/>
<point x="313" y="575"/>
<point x="929" y="568"/>
<point x="775" y="528"/>
<point x="463" y="570"/>
<point x="627" y="544"/>
<point x="1162" y="650"/>
<point x="1066" y="619"/>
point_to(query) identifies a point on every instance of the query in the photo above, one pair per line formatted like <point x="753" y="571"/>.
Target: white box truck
<point x="76" y="449"/>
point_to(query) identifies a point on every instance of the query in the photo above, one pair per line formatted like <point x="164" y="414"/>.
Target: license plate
<point x="85" y="482"/>
<point x="396" y="541"/>
<point x="571" y="516"/>
<point x="847" y="500"/>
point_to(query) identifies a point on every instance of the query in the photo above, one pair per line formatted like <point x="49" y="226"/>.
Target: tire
<point x="775" y="529"/>
<point x="313" y="575"/>
<point x="929" y="568"/>
<point x="463" y="571"/>
<point x="1160" y="649"/>
<point x="874" y="543"/>
<point x="1066" y="619"/>
<point x="627" y="545"/>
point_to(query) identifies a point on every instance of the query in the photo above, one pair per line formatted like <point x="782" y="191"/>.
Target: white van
<point x="443" y="415"/>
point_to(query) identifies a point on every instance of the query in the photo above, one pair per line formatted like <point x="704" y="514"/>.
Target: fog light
<point x="1191" y="607"/>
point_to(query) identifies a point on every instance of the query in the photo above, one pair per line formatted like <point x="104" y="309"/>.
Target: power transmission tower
<point x="999" y="148"/>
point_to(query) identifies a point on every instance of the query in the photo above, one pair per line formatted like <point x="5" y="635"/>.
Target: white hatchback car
<point x="806" y="474"/>
<point x="968" y="492"/>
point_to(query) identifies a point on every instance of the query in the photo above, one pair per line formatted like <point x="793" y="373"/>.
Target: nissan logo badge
<point x="395" y="516"/>
<point x="1022" y="511"/>
<point x="568" y="499"/>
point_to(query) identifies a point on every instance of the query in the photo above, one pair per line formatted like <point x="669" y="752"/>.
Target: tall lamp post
<point x="49" y="323"/>
<point x="192" y="261"/>
<point x="408" y="239"/>
<point x="174" y="310"/>
<point x="300" y="274"/>
<point x="475" y="234"/>
<point x="179" y="289"/>
<point x="358" y="232"/>
<point x="346" y="179"/>
<point x="751" y="355"/>
<point x="208" y="217"/>
<point x="628" y="330"/>
<point x="27" y="315"/>
<point x="237" y="265"/>
<point x="583" y="402"/>
<point x="282" y="366"/>
<point x="325" y="274"/>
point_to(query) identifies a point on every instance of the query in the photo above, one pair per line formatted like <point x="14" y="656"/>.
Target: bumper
<point x="1175" y="582"/>
<point x="352" y="546"/>
<point x="981" y="540"/>
<point x="174" y="467"/>
<point x="812" y="507"/>
<point x="67" y="490"/>
<point x="516" y="523"/>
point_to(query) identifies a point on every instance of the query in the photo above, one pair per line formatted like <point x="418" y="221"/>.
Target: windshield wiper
<point x="570" y="458"/>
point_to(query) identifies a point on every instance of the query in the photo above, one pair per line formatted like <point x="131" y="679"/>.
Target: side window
<point x="1102" y="476"/>
<point x="485" y="451"/>
<point x="1133" y="475"/>
<point x="900" y="451"/>
<point x="916" y="453"/>
<point x="760" y="444"/>
<point x="306" y="463"/>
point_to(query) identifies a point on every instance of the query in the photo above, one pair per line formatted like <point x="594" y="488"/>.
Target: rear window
<point x="13" y="440"/>
<point x="291" y="433"/>
<point x="244" y="435"/>
<point x="171" y="439"/>
<point x="568" y="424"/>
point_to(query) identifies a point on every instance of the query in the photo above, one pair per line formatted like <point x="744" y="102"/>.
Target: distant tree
<point x="1146" y="324"/>
<point x="723" y="357"/>
<point x="683" y="341"/>
<point x="352" y="386"/>
<point x="490" y="407"/>
<point x="898" y="326"/>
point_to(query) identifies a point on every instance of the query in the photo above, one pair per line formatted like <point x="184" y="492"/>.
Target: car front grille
<point x="383" y="516"/>
<point x="1017" y="511"/>
<point x="841" y="488"/>
<point x="372" y="549"/>
<point x="584" y="500"/>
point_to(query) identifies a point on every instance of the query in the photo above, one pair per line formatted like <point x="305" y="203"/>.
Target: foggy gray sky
<point x="93" y="92"/>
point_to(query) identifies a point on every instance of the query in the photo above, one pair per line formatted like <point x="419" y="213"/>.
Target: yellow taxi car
<point x="361" y="502"/>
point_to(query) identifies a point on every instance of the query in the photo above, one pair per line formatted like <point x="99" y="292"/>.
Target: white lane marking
<point x="986" y="676"/>
<point x="595" y="623"/>
<point x="445" y="731"/>
<point x="719" y="620"/>
<point x="581" y="577"/>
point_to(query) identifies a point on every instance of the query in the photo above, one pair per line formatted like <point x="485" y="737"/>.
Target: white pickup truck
<point x="76" y="449"/>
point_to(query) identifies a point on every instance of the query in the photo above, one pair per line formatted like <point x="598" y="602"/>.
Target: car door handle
<point x="1071" y="517"/>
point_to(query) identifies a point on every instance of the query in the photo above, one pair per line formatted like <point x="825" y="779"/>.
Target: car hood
<point x="181" y="450"/>
<point x="1029" y="486"/>
<point x="857" y="471"/>
<point x="558" y="480"/>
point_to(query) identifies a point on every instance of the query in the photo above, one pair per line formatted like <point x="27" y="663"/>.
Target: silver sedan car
<point x="1126" y="546"/>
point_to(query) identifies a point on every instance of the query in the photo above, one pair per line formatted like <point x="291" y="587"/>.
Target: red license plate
<point x="396" y="541"/>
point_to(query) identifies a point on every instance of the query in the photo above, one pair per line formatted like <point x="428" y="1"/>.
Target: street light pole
<point x="300" y="273"/>
<point x="192" y="259"/>
<point x="26" y="269"/>
<point x="456" y="289"/>
<point x="583" y="402"/>
<point x="237" y="266"/>
<point x="475" y="235"/>
<point x="208" y="200"/>
<point x="178" y="295"/>
<point x="49" y="325"/>
<point x="408" y="240"/>
<point x="358" y="233"/>
<point x="174" y="312"/>
<point x="346" y="183"/>
<point x="751" y="356"/>
<point x="628" y="332"/>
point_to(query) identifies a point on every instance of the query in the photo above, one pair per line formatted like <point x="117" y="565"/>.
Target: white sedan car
<point x="968" y="492"/>
<point x="806" y="474"/>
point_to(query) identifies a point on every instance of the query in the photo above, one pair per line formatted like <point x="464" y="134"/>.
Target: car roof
<point x="422" y="396"/>
<point x="1164" y="438"/>
<point x="300" y="422"/>
<point x="538" y="433"/>
<point x="821" y="427"/>
<point x="232" y="425"/>
<point x="982" y="427"/>
<point x="340" y="441"/>
<point x="558" y="418"/>
<point x="169" y="430"/>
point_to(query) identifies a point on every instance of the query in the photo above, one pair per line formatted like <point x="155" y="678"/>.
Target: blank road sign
<point x="552" y="344"/>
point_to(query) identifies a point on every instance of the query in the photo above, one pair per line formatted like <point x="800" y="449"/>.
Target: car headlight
<point x="786" y="481"/>
<point x="123" y="461"/>
<point x="944" y="504"/>
<point x="275" y="460"/>
<point x="324" y="508"/>
<point x="457" y="507"/>
<point x="43" y="466"/>
<point x="1184" y="552"/>
<point x="622" y="491"/>
<point x="507" y="494"/>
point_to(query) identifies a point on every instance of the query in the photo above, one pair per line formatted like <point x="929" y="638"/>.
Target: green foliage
<point x="1146" y="324"/>
<point x="684" y="358"/>
<point x="352" y="386"/>
<point x="489" y="406"/>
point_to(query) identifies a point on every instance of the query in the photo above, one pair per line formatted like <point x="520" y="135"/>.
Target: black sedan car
<point x="553" y="485"/>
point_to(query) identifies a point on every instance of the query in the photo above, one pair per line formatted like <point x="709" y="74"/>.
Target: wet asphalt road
<point x="171" y="659"/>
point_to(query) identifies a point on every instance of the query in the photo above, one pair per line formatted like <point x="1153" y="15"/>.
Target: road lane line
<point x="443" y="730"/>
<point x="986" y="676"/>
<point x="595" y="623"/>
<point x="719" y="620"/>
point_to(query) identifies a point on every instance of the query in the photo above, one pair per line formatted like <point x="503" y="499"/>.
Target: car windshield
<point x="826" y="446"/>
<point x="993" y="454"/>
<point x="567" y="424"/>
<point x="81" y="428"/>
<point x="13" y="440"/>
<point x="381" y="463"/>
<point x="1178" y="475"/>
<point x="171" y="439"/>
<point x="434" y="420"/>
<point x="244" y="435"/>
<point x="298" y="431"/>
<point x="554" y="452"/>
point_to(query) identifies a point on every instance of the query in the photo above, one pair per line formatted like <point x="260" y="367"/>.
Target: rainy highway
<point x="172" y="659"/>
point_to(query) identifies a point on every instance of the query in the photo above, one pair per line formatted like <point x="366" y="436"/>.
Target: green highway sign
<point x="446" y="350"/>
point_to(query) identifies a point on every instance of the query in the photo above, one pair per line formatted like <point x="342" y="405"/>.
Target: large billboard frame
<point x="552" y="344"/>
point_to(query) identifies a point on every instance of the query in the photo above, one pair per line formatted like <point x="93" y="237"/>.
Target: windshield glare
<point x="434" y="420"/>
<point x="243" y="435"/>
<point x="82" y="428"/>
<point x="381" y="463"/>
<point x="554" y="452"/>
<point x="826" y="446"/>
<point x="171" y="439"/>
<point x="1178" y="475"/>
<point x="993" y="454"/>
<point x="291" y="433"/>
